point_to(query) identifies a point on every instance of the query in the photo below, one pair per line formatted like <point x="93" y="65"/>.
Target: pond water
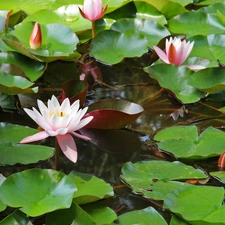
<point x="106" y="163"/>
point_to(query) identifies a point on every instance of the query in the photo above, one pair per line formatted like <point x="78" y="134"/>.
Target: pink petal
<point x="81" y="136"/>
<point x="162" y="55"/>
<point x="36" y="137"/>
<point x="68" y="146"/>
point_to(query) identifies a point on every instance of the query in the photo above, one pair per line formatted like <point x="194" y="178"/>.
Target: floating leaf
<point x="18" y="64"/>
<point x="197" y="203"/>
<point x="58" y="41"/>
<point x="11" y="152"/>
<point x="4" y="18"/>
<point x="176" y="79"/>
<point x="205" y="80"/>
<point x="184" y="142"/>
<point x="74" y="90"/>
<point x="219" y="174"/>
<point x="16" y="218"/>
<point x="147" y="216"/>
<point x="38" y="191"/>
<point x="150" y="179"/>
<point x="99" y="213"/>
<point x="99" y="188"/>
<point x="111" y="47"/>
<point x="112" y="113"/>
<point x="196" y="23"/>
<point x="151" y="30"/>
<point x="74" y="215"/>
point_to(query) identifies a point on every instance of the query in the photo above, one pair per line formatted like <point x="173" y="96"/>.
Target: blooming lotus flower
<point x="36" y="37"/>
<point x="176" y="51"/>
<point x="92" y="10"/>
<point x="60" y="121"/>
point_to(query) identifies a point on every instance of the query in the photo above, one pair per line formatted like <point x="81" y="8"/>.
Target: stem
<point x="93" y="29"/>
<point x="57" y="167"/>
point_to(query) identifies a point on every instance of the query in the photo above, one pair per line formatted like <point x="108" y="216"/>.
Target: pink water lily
<point x="176" y="51"/>
<point x="60" y="121"/>
<point x="36" y="37"/>
<point x="92" y="10"/>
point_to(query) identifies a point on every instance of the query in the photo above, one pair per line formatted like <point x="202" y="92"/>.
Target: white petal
<point x="42" y="107"/>
<point x="83" y="123"/>
<point x="65" y="106"/>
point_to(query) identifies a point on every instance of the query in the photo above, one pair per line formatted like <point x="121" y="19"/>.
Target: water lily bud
<point x="92" y="10"/>
<point x="221" y="161"/>
<point x="36" y="37"/>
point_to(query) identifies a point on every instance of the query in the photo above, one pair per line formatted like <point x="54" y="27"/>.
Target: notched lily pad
<point x="38" y="191"/>
<point x="150" y="179"/>
<point x="185" y="142"/>
<point x="58" y="41"/>
<point x="209" y="80"/>
<point x="113" y="114"/>
<point x="11" y="152"/>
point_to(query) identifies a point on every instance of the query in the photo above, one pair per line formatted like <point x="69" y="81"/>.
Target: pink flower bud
<point x="36" y="37"/>
<point x="92" y="10"/>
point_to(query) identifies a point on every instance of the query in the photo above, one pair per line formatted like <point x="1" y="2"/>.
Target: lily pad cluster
<point x="72" y="59"/>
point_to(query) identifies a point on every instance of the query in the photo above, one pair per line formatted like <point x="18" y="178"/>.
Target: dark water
<point x="132" y="84"/>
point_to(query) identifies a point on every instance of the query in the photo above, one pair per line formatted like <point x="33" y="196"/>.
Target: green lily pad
<point x="74" y="215"/>
<point x="219" y="174"/>
<point x="112" y="47"/>
<point x="211" y="47"/>
<point x="209" y="80"/>
<point x="149" y="178"/>
<point x="99" y="188"/>
<point x="11" y="152"/>
<point x="147" y="216"/>
<point x="151" y="30"/>
<point x="99" y="213"/>
<point x="38" y="191"/>
<point x="4" y="16"/>
<point x="196" y="23"/>
<point x="58" y="41"/>
<point x="21" y="65"/>
<point x="16" y="218"/>
<point x="184" y="142"/>
<point x="197" y="203"/>
<point x="176" y="79"/>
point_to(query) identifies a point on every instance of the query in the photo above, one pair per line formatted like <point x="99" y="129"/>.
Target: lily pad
<point x="151" y="30"/>
<point x="147" y="216"/>
<point x="149" y="178"/>
<point x="74" y="215"/>
<point x="38" y="191"/>
<point x="197" y="203"/>
<point x="75" y="89"/>
<point x="17" y="64"/>
<point x="113" y="114"/>
<point x="11" y="152"/>
<point x="99" y="188"/>
<point x="209" y="80"/>
<point x="58" y="41"/>
<point x="16" y="218"/>
<point x="112" y="47"/>
<point x="219" y="175"/>
<point x="184" y="142"/>
<point x="196" y="23"/>
<point x="4" y="17"/>
<point x="176" y="79"/>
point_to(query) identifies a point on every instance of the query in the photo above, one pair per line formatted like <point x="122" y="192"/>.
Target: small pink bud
<point x="221" y="161"/>
<point x="36" y="37"/>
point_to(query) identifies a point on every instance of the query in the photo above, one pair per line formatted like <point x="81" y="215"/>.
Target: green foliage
<point x="184" y="142"/>
<point x="11" y="152"/>
<point x="145" y="216"/>
<point x="176" y="79"/>
<point x="150" y="179"/>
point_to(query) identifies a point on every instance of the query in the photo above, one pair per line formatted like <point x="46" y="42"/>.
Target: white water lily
<point x="60" y="121"/>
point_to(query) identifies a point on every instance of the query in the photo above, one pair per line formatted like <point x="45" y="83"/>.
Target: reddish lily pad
<point x="113" y="114"/>
<point x="75" y="89"/>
